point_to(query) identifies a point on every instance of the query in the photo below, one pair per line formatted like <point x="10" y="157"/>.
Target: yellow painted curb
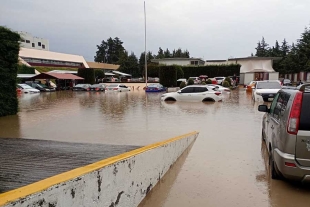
<point x="42" y="185"/>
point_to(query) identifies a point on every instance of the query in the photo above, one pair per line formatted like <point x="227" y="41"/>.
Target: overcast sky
<point x="210" y="29"/>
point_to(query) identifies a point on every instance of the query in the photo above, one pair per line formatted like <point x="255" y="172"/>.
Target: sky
<point x="209" y="29"/>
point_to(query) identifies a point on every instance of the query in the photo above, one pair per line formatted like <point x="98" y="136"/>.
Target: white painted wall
<point x="32" y="39"/>
<point x="123" y="183"/>
<point x="248" y="77"/>
<point x="274" y="76"/>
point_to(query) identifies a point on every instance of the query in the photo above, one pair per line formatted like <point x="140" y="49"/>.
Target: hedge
<point x="168" y="75"/>
<point x="211" y="70"/>
<point x="24" y="69"/>
<point x="88" y="74"/>
<point x="9" y="49"/>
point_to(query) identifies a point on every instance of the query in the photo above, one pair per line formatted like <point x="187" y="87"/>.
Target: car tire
<point x="273" y="168"/>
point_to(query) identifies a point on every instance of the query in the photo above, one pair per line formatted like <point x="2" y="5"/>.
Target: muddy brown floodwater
<point x="226" y="166"/>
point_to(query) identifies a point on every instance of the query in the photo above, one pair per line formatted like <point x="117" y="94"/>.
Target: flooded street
<point x="226" y="166"/>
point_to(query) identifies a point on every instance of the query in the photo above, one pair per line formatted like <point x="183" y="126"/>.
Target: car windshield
<point x="153" y="85"/>
<point x="42" y="86"/>
<point x="112" y="86"/>
<point x="269" y="85"/>
<point x="25" y="86"/>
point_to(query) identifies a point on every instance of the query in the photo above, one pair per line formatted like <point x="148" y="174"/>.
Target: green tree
<point x="109" y="51"/>
<point x="276" y="50"/>
<point x="167" y="53"/>
<point x="160" y="54"/>
<point x="262" y="49"/>
<point x="285" y="48"/>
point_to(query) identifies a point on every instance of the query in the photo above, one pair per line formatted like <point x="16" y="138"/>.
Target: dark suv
<point x="286" y="131"/>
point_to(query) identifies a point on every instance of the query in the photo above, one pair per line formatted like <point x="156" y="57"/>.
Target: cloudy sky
<point x="210" y="29"/>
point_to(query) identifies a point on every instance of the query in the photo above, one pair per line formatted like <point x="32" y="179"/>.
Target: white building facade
<point x="180" y="61"/>
<point x="252" y="68"/>
<point x="32" y="42"/>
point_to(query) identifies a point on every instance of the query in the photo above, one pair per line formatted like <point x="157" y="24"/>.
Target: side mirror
<point x="263" y="108"/>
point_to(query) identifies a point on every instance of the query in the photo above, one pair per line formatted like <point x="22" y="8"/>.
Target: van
<point x="286" y="131"/>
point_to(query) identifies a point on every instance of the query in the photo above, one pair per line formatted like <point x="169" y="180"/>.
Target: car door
<point x="186" y="94"/>
<point x="268" y="123"/>
<point x="201" y="93"/>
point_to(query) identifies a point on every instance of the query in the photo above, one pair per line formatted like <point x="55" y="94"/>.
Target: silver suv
<point x="286" y="131"/>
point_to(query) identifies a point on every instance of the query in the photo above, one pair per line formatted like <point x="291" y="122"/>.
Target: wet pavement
<point x="25" y="161"/>
<point x="226" y="166"/>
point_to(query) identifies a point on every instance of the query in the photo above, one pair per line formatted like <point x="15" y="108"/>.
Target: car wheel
<point x="273" y="168"/>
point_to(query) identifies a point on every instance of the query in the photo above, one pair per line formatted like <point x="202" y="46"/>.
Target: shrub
<point x="209" y="81"/>
<point x="182" y="84"/>
<point x="226" y="84"/>
<point x="228" y="80"/>
<point x="8" y="71"/>
<point x="190" y="82"/>
<point x="88" y="74"/>
<point x="203" y="83"/>
<point x="24" y="69"/>
<point x="180" y="73"/>
<point x="168" y="75"/>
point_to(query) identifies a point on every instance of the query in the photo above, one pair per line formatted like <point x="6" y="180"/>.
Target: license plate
<point x="270" y="99"/>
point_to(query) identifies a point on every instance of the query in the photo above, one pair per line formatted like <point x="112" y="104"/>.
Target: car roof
<point x="202" y="86"/>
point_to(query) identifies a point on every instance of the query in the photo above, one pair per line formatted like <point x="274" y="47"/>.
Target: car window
<point x="281" y="105"/>
<point x="274" y="103"/>
<point x="305" y="113"/>
<point x="268" y="85"/>
<point x="188" y="90"/>
<point x="200" y="89"/>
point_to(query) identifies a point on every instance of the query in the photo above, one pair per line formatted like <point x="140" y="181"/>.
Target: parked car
<point x="117" y="87"/>
<point x="219" y="80"/>
<point x="250" y="86"/>
<point x="41" y="87"/>
<point x="265" y="90"/>
<point x="81" y="87"/>
<point x="220" y="88"/>
<point x="286" y="131"/>
<point x="285" y="82"/>
<point x="155" y="88"/>
<point x="27" y="89"/>
<point x="194" y="93"/>
<point x="97" y="87"/>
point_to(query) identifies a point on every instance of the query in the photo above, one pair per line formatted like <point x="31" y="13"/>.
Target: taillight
<point x="156" y="88"/>
<point x="97" y="89"/>
<point x="217" y="93"/>
<point x="293" y="121"/>
<point x="115" y="89"/>
<point x="87" y="89"/>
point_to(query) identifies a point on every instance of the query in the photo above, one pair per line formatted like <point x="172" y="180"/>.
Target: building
<point x="252" y="68"/>
<point x="180" y="61"/>
<point x="35" y="57"/>
<point x="32" y="42"/>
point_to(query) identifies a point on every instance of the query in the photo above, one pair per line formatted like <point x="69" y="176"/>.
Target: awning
<point x="63" y="71"/>
<point x="120" y="73"/>
<point x="62" y="76"/>
<point x="25" y="75"/>
<point x="109" y="74"/>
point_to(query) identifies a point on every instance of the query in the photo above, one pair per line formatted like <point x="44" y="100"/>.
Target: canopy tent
<point x="61" y="76"/>
<point x="25" y="75"/>
<point x="120" y="73"/>
<point x="63" y="71"/>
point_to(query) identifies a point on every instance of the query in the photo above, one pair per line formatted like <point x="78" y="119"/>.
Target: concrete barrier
<point x="123" y="180"/>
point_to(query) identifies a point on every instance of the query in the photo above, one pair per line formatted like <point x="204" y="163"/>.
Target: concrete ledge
<point x="123" y="180"/>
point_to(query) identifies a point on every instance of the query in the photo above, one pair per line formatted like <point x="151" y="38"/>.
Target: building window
<point x="23" y="40"/>
<point x="43" y="46"/>
<point x="27" y="41"/>
<point x="194" y="62"/>
<point x="39" y="44"/>
<point x="33" y="45"/>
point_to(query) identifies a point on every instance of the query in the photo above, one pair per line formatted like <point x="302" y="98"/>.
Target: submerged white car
<point x="27" y="89"/>
<point x="265" y="90"/>
<point x="117" y="87"/>
<point x="194" y="93"/>
<point x="220" y="88"/>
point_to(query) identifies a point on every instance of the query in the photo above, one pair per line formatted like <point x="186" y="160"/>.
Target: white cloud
<point x="213" y="29"/>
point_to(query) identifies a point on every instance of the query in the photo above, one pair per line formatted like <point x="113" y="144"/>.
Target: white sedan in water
<point x="117" y="87"/>
<point x="27" y="89"/>
<point x="194" y="93"/>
